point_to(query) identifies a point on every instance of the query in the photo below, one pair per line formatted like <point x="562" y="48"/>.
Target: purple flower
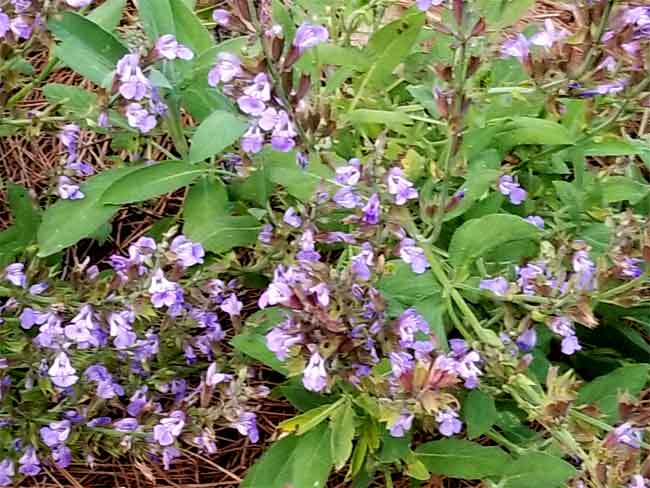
<point x="425" y="5"/>
<point x="221" y="17"/>
<point x="61" y="372"/>
<point x="308" y="36"/>
<point x="68" y="189"/>
<point x="448" y="423"/>
<point x="21" y="6"/>
<point x="628" y="435"/>
<point x="232" y="306"/>
<point x="498" y="285"/>
<point x="637" y="481"/>
<point x="168" y="455"/>
<point x="280" y="339"/>
<point x="4" y="28"/>
<point x="247" y="425"/>
<point x="401" y="363"/>
<point x="251" y="105"/>
<point x="252" y="140"/>
<point x="6" y="472"/>
<point x="413" y="255"/>
<point x="78" y="3"/>
<point x="563" y="326"/>
<point x="169" y="428"/>
<point x="205" y="442"/>
<point x="29" y="317"/>
<point x="164" y="292"/>
<point x="139" y="118"/>
<point x="260" y="89"/>
<point x="120" y="328"/>
<point x="531" y="275"/>
<point x="629" y="267"/>
<point x="372" y="210"/>
<point x="283" y="133"/>
<point x="307" y="251"/>
<point x="322" y="293"/>
<point x="15" y="274"/>
<point x="21" y="27"/>
<point x="266" y="234"/>
<point x="187" y="253"/>
<point x="315" y="376"/>
<point x="517" y="47"/>
<point x="126" y="425"/>
<point x="346" y="198"/>
<point x="509" y="186"/>
<point x="55" y="433"/>
<point x="228" y="68"/>
<point x="137" y="402"/>
<point x="536" y="220"/>
<point x="29" y="462"/>
<point x="464" y="362"/>
<point x="361" y="262"/>
<point x="292" y="218"/>
<point x="527" y="340"/>
<point x="400" y="186"/>
<point x="584" y="269"/>
<point x="62" y="456"/>
<point x="604" y="89"/>
<point x="168" y="47"/>
<point x="402" y="425"/>
<point x="410" y="322"/>
<point x="134" y="85"/>
<point x="213" y="377"/>
<point x="549" y="36"/>
<point x="349" y="175"/>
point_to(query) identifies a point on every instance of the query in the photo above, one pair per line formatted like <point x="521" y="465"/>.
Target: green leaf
<point x="537" y="470"/>
<point x="620" y="188"/>
<point x="501" y="13"/>
<point x="206" y="201"/>
<point x="254" y="345"/>
<point x="400" y="283"/>
<point x="433" y="309"/>
<point x="157" y="18"/>
<point x="343" y="430"/>
<point x="393" y="448"/>
<point x="189" y="28"/>
<point x="75" y="102"/>
<point x="598" y="236"/>
<point x="301" y="398"/>
<point x="283" y="170"/>
<point x="307" y="421"/>
<point x="390" y="45"/>
<point x="68" y="221"/>
<point x="152" y="181"/>
<point x="529" y="130"/>
<point x="26" y="220"/>
<point x="216" y="133"/>
<point x="295" y="461"/>
<point x="609" y="146"/>
<point x="89" y="50"/>
<point x="457" y="458"/>
<point x="604" y="391"/>
<point x="224" y="233"/>
<point x="108" y="14"/>
<point x="477" y="237"/>
<point x="479" y="412"/>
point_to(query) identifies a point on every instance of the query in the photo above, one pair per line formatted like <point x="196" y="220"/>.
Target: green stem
<point x="22" y="93"/>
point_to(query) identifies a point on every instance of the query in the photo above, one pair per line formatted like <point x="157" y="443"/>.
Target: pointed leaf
<point x="537" y="470"/>
<point x="206" y="201"/>
<point x="479" y="412"/>
<point x="215" y="134"/>
<point x="343" y="429"/>
<point x="462" y="459"/>
<point x="152" y="181"/>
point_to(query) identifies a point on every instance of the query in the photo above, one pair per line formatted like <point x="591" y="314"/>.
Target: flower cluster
<point x="103" y="357"/>
<point x="68" y="189"/>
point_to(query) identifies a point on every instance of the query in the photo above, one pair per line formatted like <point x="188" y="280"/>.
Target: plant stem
<point x="22" y="93"/>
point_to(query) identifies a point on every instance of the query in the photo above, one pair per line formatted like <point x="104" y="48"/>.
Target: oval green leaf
<point x="457" y="458"/>
<point x="215" y="134"/>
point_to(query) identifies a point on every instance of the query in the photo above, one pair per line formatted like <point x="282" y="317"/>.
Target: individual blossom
<point x="281" y="339"/>
<point x="55" y="433"/>
<point x="169" y="428"/>
<point x="527" y="340"/>
<point x="38" y="288"/>
<point x="372" y="210"/>
<point x="168" y="455"/>
<point x="251" y="105"/>
<point x="279" y="290"/>
<point x="266" y="234"/>
<point x="292" y="218"/>
<point x="120" y="328"/>
<point x="61" y="372"/>
<point x="563" y="326"/>
<point x="169" y="48"/>
<point x="205" y="442"/>
<point x="228" y="68"/>
<point x="497" y="285"/>
<point x="349" y="174"/>
<point x="625" y="434"/>
<point x="68" y="189"/>
<point x="29" y="462"/>
<point x="164" y="292"/>
<point x="284" y="132"/>
<point x="536" y="220"/>
<point x="604" y="89"/>
<point x="221" y="17"/>
<point x="4" y="23"/>
<point x="315" y="375"/>
<point x="530" y="276"/>
<point x="188" y="253"/>
<point x="400" y="187"/>
<point x="21" y="6"/>
<point x="346" y="198"/>
<point x="260" y="89"/>
<point x="62" y="456"/>
<point x="402" y="424"/>
<point x="213" y="377"/>
<point x="360" y="263"/>
<point x="308" y="36"/>
<point x="139" y="118"/>
<point x="549" y="35"/>
<point x="232" y="306"/>
<point x="307" y="251"/>
<point x="517" y="47"/>
<point x="137" y="402"/>
<point x="584" y="269"/>
<point x="133" y="84"/>
<point x="628" y="267"/>
<point x="15" y="274"/>
<point x="126" y="425"/>
<point x="20" y="27"/>
<point x="78" y="3"/>
<point x="6" y="472"/>
<point x="253" y="140"/>
<point x="247" y="425"/>
<point x="448" y="422"/>
<point x="465" y="362"/>
<point x="410" y="323"/>
<point x="509" y="186"/>
<point x="413" y="255"/>
<point x="638" y="481"/>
